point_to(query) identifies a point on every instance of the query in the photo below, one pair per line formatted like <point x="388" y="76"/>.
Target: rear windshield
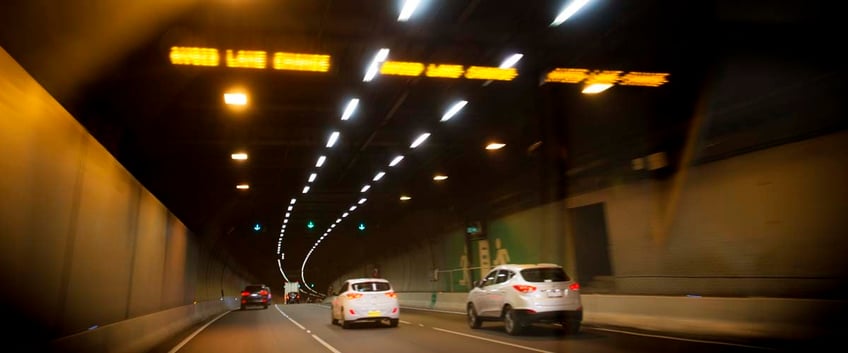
<point x="550" y="274"/>
<point x="254" y="288"/>
<point x="371" y="287"/>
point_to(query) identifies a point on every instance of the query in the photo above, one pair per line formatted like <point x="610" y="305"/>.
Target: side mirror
<point x="476" y="283"/>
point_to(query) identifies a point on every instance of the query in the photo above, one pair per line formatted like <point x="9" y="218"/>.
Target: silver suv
<point x="521" y="294"/>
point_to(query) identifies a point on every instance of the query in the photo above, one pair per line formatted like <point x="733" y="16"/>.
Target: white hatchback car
<point x="365" y="300"/>
<point x="521" y="294"/>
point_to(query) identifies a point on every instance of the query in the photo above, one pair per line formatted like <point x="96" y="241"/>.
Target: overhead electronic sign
<point x="249" y="59"/>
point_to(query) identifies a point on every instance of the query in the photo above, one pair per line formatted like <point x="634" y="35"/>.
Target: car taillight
<point x="391" y="295"/>
<point x="263" y="292"/>
<point x="524" y="288"/>
<point x="245" y="293"/>
<point x="574" y="286"/>
<point x="353" y="295"/>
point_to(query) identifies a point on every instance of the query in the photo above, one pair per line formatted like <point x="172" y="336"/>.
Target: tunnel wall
<point x="85" y="245"/>
<point x="767" y="223"/>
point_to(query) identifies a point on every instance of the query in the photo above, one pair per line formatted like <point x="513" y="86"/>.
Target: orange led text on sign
<point x="250" y="59"/>
<point x="413" y="69"/>
<point x="633" y="78"/>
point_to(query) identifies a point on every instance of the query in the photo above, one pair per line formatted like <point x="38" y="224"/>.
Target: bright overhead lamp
<point x="374" y="67"/>
<point x="568" y="11"/>
<point x="418" y="141"/>
<point x="344" y="215"/>
<point x="235" y="99"/>
<point x="288" y="214"/>
<point x="320" y="161"/>
<point x="305" y="189"/>
<point x="440" y="177"/>
<point x="365" y="188"/>
<point x="362" y="200"/>
<point x="333" y="138"/>
<point x="292" y="201"/>
<point x="241" y="156"/>
<point x="405" y="198"/>
<point x="290" y="208"/>
<point x="312" y="177"/>
<point x="407" y="10"/>
<point x="242" y="186"/>
<point x="352" y="208"/>
<point x="511" y="61"/>
<point x="495" y="146"/>
<point x="595" y="88"/>
<point x="378" y="176"/>
<point x="395" y="161"/>
<point x="350" y="108"/>
<point x="453" y="110"/>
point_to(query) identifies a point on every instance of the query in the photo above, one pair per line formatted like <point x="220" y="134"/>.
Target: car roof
<point x="518" y="267"/>
<point x="366" y="279"/>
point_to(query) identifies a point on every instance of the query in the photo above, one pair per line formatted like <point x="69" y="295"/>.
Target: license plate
<point x="374" y="313"/>
<point x="555" y="293"/>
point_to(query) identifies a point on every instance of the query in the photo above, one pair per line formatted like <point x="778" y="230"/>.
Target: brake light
<point x="524" y="288"/>
<point x="263" y="292"/>
<point x="245" y="293"/>
<point x="574" y="286"/>
<point x="391" y="295"/>
<point x="353" y="295"/>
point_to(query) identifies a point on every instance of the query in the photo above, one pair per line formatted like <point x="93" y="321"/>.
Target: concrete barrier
<point x="143" y="333"/>
<point x="747" y="318"/>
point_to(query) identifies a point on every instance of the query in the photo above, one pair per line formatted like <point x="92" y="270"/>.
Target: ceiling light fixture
<point x="495" y="146"/>
<point x="418" y="141"/>
<point x="511" y="61"/>
<point x="352" y="208"/>
<point x="595" y="88"/>
<point x="242" y="186"/>
<point x="333" y="138"/>
<point x="405" y="198"/>
<point x="293" y="201"/>
<point x="440" y="177"/>
<point x="374" y="67"/>
<point x="350" y="108"/>
<point x="362" y="200"/>
<point x="365" y="188"/>
<point x="235" y="99"/>
<point x="312" y="177"/>
<point x="569" y="11"/>
<point x="453" y="110"/>
<point x="395" y="161"/>
<point x="305" y="189"/>
<point x="320" y="161"/>
<point x="241" y="156"/>
<point x="407" y="10"/>
<point x="378" y="176"/>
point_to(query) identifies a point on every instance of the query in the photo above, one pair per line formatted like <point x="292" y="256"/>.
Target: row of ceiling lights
<point x="381" y="56"/>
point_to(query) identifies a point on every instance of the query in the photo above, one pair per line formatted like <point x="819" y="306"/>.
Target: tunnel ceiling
<point x="109" y="63"/>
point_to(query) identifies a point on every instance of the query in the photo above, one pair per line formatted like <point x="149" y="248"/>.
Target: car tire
<point x="346" y="324"/>
<point x="393" y="322"/>
<point x="242" y="307"/>
<point x="512" y="322"/>
<point x="571" y="327"/>
<point x="332" y="319"/>
<point x="473" y="320"/>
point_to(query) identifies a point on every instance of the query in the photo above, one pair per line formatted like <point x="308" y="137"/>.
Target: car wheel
<point x="512" y="323"/>
<point x="346" y="324"/>
<point x="571" y="327"/>
<point x="393" y="322"/>
<point x="473" y="320"/>
<point x="242" y="307"/>
<point x="332" y="319"/>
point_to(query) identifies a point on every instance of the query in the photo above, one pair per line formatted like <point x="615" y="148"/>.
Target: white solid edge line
<point x="493" y="341"/>
<point x="327" y="345"/>
<point x="184" y="341"/>
<point x="322" y="342"/>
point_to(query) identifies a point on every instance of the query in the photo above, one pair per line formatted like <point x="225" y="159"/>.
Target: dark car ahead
<point x="293" y="298"/>
<point x="255" y="295"/>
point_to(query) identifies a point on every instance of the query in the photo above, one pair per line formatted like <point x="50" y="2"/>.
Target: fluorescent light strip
<point x="395" y="161"/>
<point x="320" y="161"/>
<point x="362" y="200"/>
<point x="407" y="10"/>
<point x="350" y="108"/>
<point x="333" y="138"/>
<point x="511" y="61"/>
<point x="418" y="141"/>
<point x="312" y="177"/>
<point x="568" y="11"/>
<point x="365" y="188"/>
<point x="378" y="176"/>
<point x="453" y="110"/>
<point x="305" y="189"/>
<point x="374" y="67"/>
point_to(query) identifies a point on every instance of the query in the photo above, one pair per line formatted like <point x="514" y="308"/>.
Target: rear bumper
<point x="551" y="316"/>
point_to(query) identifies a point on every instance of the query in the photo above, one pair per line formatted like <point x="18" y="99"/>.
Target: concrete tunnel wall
<point x="85" y="245"/>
